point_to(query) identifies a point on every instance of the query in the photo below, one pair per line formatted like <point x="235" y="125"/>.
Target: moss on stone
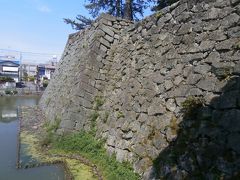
<point x="120" y="114"/>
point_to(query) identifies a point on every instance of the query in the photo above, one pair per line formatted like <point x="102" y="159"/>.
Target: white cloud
<point x="44" y="9"/>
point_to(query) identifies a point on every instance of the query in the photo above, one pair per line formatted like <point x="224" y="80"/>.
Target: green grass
<point x="98" y="102"/>
<point x="85" y="144"/>
<point x="50" y="128"/>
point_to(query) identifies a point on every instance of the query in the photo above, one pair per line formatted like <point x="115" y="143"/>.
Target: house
<point x="46" y="70"/>
<point x="9" y="67"/>
<point x="29" y="69"/>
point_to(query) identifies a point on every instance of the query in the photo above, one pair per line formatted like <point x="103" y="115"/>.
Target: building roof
<point x="9" y="63"/>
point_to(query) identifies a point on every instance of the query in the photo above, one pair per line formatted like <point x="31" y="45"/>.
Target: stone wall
<point x="79" y="76"/>
<point x="164" y="91"/>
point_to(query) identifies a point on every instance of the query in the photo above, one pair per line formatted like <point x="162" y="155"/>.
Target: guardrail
<point x="21" y="91"/>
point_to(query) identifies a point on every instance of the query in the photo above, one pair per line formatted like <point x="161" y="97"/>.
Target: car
<point x="20" y="85"/>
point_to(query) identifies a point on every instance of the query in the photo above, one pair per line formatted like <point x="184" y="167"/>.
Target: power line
<point x="28" y="56"/>
<point x="29" y="52"/>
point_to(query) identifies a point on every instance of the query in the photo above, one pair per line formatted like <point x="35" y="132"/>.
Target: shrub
<point x="45" y="83"/>
<point x="14" y="91"/>
<point x="31" y="78"/>
<point x="6" y="79"/>
<point x="7" y="91"/>
<point x="191" y="105"/>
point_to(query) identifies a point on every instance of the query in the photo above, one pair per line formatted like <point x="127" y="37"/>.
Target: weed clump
<point x="105" y="117"/>
<point x="50" y="129"/>
<point x="191" y="105"/>
<point x="158" y="14"/>
<point x="120" y="114"/>
<point x="98" y="102"/>
<point x="174" y="125"/>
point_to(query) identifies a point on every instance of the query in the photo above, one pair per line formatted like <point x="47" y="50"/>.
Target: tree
<point x="81" y="22"/>
<point x="113" y="7"/>
<point x="128" y="9"/>
<point x="162" y="4"/>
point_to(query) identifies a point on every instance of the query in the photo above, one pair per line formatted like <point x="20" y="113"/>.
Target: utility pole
<point x="20" y="67"/>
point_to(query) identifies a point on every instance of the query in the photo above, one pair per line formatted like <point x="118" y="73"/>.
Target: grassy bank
<point x="86" y="145"/>
<point x="84" y="155"/>
<point x="34" y="139"/>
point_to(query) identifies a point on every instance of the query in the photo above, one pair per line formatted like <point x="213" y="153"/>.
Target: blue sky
<point x="37" y="25"/>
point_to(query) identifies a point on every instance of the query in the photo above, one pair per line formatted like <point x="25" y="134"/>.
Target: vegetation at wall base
<point x="6" y="79"/>
<point x="45" y="83"/>
<point x="11" y="92"/>
<point x="85" y="144"/>
<point x="31" y="78"/>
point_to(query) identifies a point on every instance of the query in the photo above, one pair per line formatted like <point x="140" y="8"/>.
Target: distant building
<point x="9" y="67"/>
<point x="29" y="69"/>
<point x="46" y="70"/>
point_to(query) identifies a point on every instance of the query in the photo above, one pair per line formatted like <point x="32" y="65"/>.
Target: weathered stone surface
<point x="185" y="29"/>
<point x="193" y="79"/>
<point x="178" y="80"/>
<point x="157" y="78"/>
<point x="107" y="30"/>
<point x="229" y="100"/>
<point x="206" y="45"/>
<point x="156" y="107"/>
<point x="212" y="13"/>
<point x="230" y="20"/>
<point x="236" y="69"/>
<point x="217" y="36"/>
<point x="225" y="45"/>
<point x="234" y="2"/>
<point x="233" y="140"/>
<point x="213" y="58"/>
<point x="228" y="120"/>
<point x="170" y="105"/>
<point x="165" y="18"/>
<point x="179" y="9"/>
<point x="234" y="32"/>
<point x="202" y="69"/>
<point x="207" y="84"/>
<point x="168" y="84"/>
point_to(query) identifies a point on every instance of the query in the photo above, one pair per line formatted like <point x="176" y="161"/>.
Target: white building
<point x="30" y="69"/>
<point x="9" y="67"/>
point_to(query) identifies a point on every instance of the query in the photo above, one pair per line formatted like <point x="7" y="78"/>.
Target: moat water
<point x="8" y="144"/>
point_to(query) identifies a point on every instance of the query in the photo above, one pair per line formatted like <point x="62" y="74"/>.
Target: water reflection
<point x="8" y="144"/>
<point x="8" y="106"/>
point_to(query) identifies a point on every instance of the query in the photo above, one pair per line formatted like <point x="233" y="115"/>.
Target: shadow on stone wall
<point x="208" y="141"/>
